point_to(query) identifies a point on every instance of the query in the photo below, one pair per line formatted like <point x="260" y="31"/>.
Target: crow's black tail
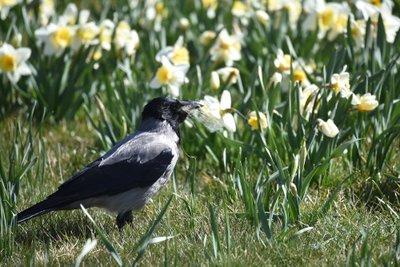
<point x="36" y="210"/>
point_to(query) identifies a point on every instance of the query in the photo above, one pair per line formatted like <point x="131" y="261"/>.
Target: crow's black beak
<point x="187" y="106"/>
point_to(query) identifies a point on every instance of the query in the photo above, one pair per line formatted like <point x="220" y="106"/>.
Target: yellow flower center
<point x="341" y="23"/>
<point x="253" y="121"/>
<point x="62" y="37"/>
<point x="180" y="56"/>
<point x="335" y="87"/>
<point x="86" y="34"/>
<point x="300" y="76"/>
<point x="97" y="54"/>
<point x="8" y="2"/>
<point x="164" y="75"/>
<point x="209" y="3"/>
<point x="376" y="2"/>
<point x="224" y="45"/>
<point x="160" y="8"/>
<point x="8" y="63"/>
<point x="239" y="7"/>
<point x="123" y="26"/>
<point x="326" y="18"/>
<point x="105" y="36"/>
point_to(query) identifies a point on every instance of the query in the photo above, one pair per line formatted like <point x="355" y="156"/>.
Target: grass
<point x="331" y="239"/>
<point x="286" y="194"/>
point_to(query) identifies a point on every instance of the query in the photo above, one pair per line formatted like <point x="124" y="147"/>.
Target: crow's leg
<point x="124" y="218"/>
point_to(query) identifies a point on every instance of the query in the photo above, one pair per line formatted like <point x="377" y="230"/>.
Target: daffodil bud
<point x="303" y="154"/>
<point x="16" y="40"/>
<point x="215" y="82"/>
<point x="262" y="17"/>
<point x="328" y="128"/>
<point x="293" y="189"/>
<point x="207" y="37"/>
<point x="184" y="24"/>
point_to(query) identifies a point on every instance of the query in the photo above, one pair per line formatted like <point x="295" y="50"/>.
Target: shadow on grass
<point x="61" y="226"/>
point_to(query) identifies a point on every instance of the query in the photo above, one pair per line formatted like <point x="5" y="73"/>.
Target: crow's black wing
<point x="115" y="178"/>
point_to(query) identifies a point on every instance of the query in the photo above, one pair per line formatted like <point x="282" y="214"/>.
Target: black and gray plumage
<point x="130" y="173"/>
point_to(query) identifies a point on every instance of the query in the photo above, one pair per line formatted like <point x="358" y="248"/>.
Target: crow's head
<point x="172" y="110"/>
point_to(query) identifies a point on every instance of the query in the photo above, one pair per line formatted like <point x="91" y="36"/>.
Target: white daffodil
<point x="105" y="38"/>
<point x="390" y="21"/>
<point x="55" y="37"/>
<point x="328" y="127"/>
<point x="294" y="10"/>
<point x="254" y="122"/>
<point x="331" y="18"/>
<point x="240" y="8"/>
<point x="365" y="103"/>
<point x="70" y="15"/>
<point x="370" y="10"/>
<point x="169" y="75"/>
<point x="210" y="6"/>
<point x="105" y="35"/>
<point x="86" y="34"/>
<point x="358" y="32"/>
<point x="177" y="54"/>
<point x="276" y="78"/>
<point x="282" y="61"/>
<point x="340" y="83"/>
<point x="300" y="76"/>
<point x="126" y="39"/>
<point x="226" y="48"/>
<point x="306" y="97"/>
<point x="5" y="6"/>
<point x="46" y="11"/>
<point x="156" y="11"/>
<point x="228" y="75"/>
<point x="215" y="115"/>
<point x="13" y="62"/>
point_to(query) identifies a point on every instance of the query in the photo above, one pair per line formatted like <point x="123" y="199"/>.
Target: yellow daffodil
<point x="254" y="121"/>
<point x="328" y="127"/>
<point x="13" y="62"/>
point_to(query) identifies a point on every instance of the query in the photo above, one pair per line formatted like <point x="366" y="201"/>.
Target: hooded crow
<point x="130" y="173"/>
